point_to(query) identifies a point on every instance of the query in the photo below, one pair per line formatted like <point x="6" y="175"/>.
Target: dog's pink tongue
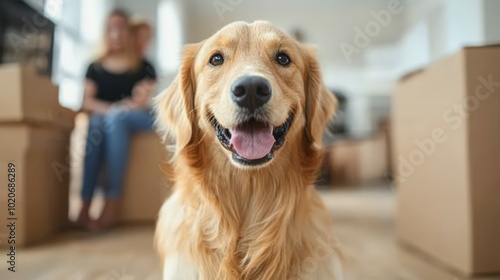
<point x="252" y="141"/>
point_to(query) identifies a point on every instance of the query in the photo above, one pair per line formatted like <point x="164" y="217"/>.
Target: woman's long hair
<point x="130" y="52"/>
<point x="137" y="24"/>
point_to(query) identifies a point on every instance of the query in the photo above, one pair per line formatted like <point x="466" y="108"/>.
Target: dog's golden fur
<point x="228" y="222"/>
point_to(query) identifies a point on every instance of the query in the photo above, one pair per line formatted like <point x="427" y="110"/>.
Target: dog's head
<point x="250" y="89"/>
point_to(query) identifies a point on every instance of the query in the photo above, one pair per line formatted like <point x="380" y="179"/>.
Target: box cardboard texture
<point x="26" y="96"/>
<point x="41" y="188"/>
<point x="447" y="161"/>
<point x="34" y="132"/>
<point x="145" y="186"/>
<point x="359" y="161"/>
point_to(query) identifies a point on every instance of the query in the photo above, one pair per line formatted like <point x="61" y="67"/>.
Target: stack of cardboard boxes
<point x="34" y="162"/>
<point x="446" y="140"/>
<point x="35" y="138"/>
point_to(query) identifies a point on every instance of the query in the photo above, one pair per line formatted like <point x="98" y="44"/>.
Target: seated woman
<point x="118" y="86"/>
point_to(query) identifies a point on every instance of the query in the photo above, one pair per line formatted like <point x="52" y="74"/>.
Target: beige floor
<point x="362" y="216"/>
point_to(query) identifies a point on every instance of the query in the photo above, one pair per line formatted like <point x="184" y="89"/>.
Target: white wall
<point x="492" y="21"/>
<point x="79" y="30"/>
<point x="426" y="31"/>
<point x="463" y="20"/>
<point x="146" y="10"/>
<point x="325" y="24"/>
<point x="454" y="24"/>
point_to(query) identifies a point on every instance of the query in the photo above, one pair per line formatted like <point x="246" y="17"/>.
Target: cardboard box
<point x="358" y="161"/>
<point x="27" y="96"/>
<point x="65" y="118"/>
<point x="446" y="141"/>
<point x="344" y="163"/>
<point x="40" y="158"/>
<point x="146" y="187"/>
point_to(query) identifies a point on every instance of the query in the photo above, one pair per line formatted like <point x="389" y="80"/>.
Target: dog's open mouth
<point x="252" y="142"/>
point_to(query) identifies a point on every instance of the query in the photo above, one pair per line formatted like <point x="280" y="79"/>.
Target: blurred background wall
<point x="363" y="46"/>
<point x="447" y="206"/>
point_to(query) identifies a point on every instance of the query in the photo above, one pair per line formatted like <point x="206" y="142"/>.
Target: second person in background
<point x="118" y="89"/>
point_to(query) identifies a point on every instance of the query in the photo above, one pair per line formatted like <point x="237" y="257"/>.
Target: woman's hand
<point x="141" y="94"/>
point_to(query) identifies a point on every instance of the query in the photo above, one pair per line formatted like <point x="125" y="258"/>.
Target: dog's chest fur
<point x="255" y="240"/>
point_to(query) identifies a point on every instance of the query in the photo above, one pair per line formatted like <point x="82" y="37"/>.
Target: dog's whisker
<point x="201" y="138"/>
<point x="194" y="110"/>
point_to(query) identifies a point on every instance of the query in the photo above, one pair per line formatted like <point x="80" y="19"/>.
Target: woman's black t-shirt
<point x="114" y="87"/>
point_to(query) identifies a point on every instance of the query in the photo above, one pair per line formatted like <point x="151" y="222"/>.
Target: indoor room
<point x="238" y="139"/>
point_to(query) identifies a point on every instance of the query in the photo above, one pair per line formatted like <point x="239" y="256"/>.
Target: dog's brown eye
<point x="216" y="59"/>
<point x="283" y="59"/>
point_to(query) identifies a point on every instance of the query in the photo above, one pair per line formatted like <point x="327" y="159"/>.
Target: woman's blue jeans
<point x="108" y="143"/>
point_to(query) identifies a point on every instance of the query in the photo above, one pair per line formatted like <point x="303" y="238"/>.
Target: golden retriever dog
<point x="247" y="111"/>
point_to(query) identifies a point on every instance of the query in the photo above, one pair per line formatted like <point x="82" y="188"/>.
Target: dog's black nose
<point x="251" y="92"/>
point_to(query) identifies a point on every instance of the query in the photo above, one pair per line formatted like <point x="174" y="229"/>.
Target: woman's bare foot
<point x="108" y="216"/>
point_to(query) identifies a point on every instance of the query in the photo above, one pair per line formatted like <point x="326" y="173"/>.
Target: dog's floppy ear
<point x="175" y="114"/>
<point x="320" y="102"/>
